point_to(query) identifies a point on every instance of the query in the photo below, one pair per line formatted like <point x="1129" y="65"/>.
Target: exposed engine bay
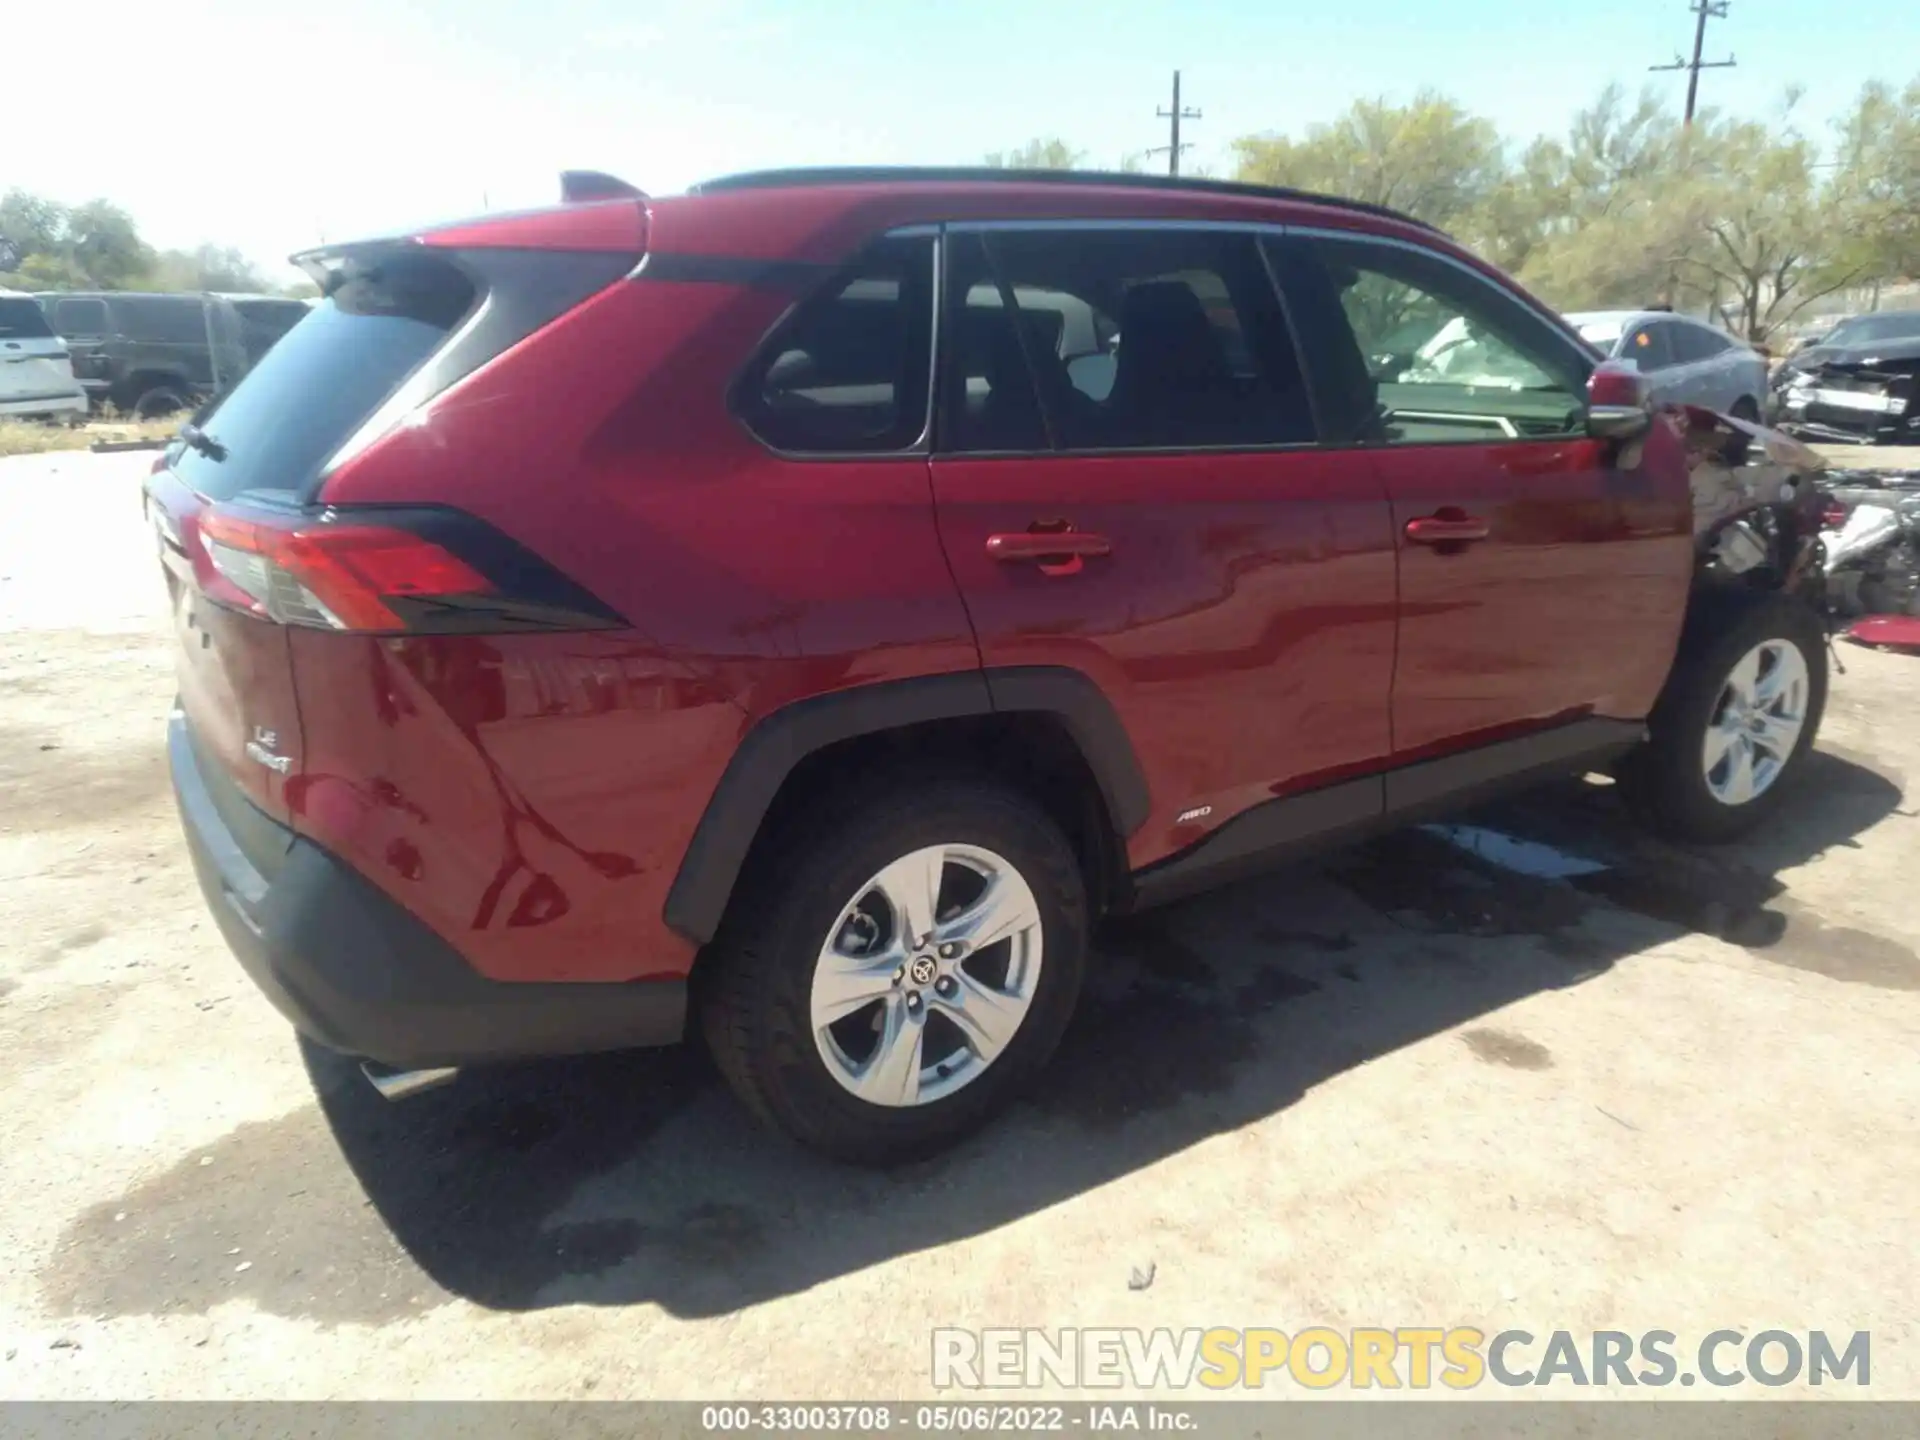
<point x="1758" y="505"/>
<point x="1873" y="552"/>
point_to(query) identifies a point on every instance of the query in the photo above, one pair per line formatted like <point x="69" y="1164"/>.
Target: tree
<point x="1039" y="154"/>
<point x="1762" y="232"/>
<point x="207" y="267"/>
<point x="95" y="245"/>
<point x="102" y="241"/>
<point x="1429" y="158"/>
<point x="32" y="222"/>
<point x="1878" y="178"/>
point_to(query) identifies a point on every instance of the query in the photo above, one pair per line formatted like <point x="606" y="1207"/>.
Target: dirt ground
<point x="1405" y="1086"/>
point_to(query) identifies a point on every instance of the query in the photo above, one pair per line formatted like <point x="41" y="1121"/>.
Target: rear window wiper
<point x="202" y="442"/>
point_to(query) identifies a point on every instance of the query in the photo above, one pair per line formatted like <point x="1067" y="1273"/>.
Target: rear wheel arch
<point x="129" y="392"/>
<point x="1051" y="728"/>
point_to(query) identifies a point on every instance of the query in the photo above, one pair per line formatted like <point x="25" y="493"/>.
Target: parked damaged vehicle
<point x="1873" y="543"/>
<point x="1860" y="385"/>
<point x="797" y="611"/>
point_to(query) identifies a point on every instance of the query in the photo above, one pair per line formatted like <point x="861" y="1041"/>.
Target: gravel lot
<point x="1406" y="1086"/>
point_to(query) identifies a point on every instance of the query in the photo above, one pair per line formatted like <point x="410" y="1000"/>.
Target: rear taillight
<point x="1834" y="514"/>
<point x="386" y="571"/>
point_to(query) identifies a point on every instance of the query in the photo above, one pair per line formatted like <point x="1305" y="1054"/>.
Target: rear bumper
<point x="356" y="972"/>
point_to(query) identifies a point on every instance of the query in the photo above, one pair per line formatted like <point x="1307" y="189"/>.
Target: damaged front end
<point x="1858" y="397"/>
<point x="1758" y="507"/>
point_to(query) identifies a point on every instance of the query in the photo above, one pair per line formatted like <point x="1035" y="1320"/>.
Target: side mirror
<point x="1619" y="404"/>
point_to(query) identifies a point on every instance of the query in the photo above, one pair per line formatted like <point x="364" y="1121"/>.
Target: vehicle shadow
<point x="635" y="1178"/>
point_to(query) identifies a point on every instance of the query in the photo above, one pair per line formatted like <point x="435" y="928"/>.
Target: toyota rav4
<point x="797" y="610"/>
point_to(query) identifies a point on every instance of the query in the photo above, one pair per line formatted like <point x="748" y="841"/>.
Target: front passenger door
<point x="1539" y="581"/>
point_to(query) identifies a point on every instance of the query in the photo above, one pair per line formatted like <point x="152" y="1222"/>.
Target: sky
<point x="272" y="125"/>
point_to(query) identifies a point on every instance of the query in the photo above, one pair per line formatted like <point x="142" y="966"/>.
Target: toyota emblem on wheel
<point x="923" y="970"/>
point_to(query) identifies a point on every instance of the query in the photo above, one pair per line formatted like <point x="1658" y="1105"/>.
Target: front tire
<point x="1733" y="728"/>
<point x="897" y="971"/>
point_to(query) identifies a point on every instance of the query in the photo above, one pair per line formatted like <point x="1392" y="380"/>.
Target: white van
<point x="36" y="373"/>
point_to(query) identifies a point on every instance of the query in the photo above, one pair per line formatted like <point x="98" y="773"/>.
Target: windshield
<point x="1865" y="329"/>
<point x="1602" y="334"/>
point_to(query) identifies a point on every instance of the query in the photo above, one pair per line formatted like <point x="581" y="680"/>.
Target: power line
<point x="1173" y="148"/>
<point x="1706" y="10"/>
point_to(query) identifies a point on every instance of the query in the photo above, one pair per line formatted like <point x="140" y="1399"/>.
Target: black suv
<point x="149" y="355"/>
<point x="264" y="319"/>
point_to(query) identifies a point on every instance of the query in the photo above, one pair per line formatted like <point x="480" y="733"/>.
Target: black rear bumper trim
<point x="355" y="971"/>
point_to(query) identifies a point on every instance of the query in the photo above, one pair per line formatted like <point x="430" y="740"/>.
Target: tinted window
<point x="21" y="318"/>
<point x="1696" y="342"/>
<point x="847" y="372"/>
<point x="161" y="320"/>
<point x="1410" y="348"/>
<point x="80" y="317"/>
<point x="988" y="401"/>
<point x="263" y="322"/>
<point x="1188" y="346"/>
<point x="1650" y="346"/>
<point x="315" y="388"/>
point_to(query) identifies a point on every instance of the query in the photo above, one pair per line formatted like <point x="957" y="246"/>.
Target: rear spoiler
<point x="577" y="187"/>
<point x="614" y="227"/>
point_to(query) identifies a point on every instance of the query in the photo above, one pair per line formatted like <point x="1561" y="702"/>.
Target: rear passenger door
<point x="33" y="361"/>
<point x="1129" y="487"/>
<point x="1539" y="581"/>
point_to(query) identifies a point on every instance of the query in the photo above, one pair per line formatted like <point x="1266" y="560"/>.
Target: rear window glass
<point x="1602" y="334"/>
<point x="80" y="317"/>
<point x="313" y="389"/>
<point x="22" y="319"/>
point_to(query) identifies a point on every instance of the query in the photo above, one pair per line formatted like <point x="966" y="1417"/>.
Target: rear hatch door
<point x="34" y="363"/>
<point x="399" y="323"/>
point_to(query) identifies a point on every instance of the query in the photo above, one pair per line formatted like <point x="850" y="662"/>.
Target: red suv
<point x="805" y="605"/>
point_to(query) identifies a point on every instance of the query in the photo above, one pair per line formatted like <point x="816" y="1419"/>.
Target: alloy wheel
<point x="926" y="975"/>
<point x="1756" y="722"/>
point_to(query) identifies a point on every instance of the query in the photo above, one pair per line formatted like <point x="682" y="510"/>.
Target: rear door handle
<point x="1447" y="528"/>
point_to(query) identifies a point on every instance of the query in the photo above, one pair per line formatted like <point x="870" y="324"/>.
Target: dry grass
<point x="31" y="437"/>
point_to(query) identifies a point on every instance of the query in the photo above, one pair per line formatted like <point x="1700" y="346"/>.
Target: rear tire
<point x="819" y="912"/>
<point x="1733" y="728"/>
<point x="157" y="402"/>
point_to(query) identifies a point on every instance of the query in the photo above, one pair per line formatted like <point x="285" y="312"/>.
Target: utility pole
<point x="1706" y="10"/>
<point x="1175" y="116"/>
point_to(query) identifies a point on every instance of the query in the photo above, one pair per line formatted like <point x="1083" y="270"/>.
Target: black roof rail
<point x="970" y="174"/>
<point x="579" y="186"/>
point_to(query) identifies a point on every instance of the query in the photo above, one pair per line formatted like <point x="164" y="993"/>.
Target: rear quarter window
<point x="161" y="321"/>
<point x="80" y="317"/>
<point x="848" y="371"/>
<point x="313" y="389"/>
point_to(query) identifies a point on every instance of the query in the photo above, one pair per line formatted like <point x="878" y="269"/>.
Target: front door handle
<point x="1449" y="527"/>
<point x="1056" y="552"/>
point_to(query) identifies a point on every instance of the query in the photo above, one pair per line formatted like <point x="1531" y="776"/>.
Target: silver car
<point x="1687" y="360"/>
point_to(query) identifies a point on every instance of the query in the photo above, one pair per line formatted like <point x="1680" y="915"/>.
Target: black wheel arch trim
<point x="780" y="741"/>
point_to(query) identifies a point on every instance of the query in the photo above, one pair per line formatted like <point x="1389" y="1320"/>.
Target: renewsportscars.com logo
<point x="1405" y="1357"/>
